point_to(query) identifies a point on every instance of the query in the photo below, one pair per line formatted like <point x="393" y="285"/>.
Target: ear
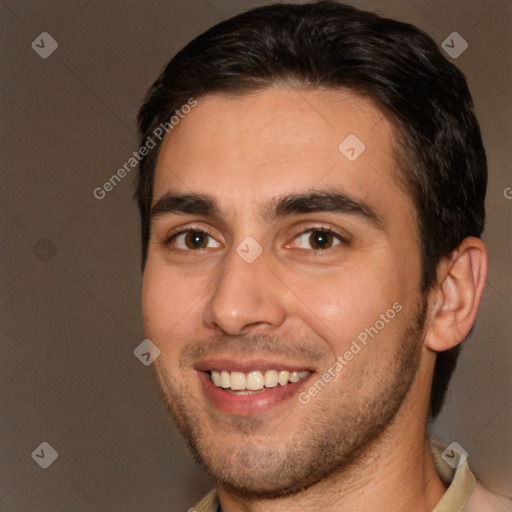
<point x="455" y="299"/>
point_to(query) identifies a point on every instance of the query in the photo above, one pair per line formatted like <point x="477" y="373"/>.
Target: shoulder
<point x="483" y="500"/>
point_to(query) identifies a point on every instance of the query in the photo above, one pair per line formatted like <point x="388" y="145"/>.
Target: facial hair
<point x="342" y="424"/>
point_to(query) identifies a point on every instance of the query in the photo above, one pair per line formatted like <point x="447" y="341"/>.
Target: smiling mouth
<point x="240" y="383"/>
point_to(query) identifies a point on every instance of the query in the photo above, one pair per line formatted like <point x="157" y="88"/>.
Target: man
<point x="310" y="222"/>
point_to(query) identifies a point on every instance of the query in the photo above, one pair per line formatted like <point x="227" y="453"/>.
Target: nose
<point x="246" y="296"/>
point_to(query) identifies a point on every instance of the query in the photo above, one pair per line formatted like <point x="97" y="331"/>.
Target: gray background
<point x="70" y="281"/>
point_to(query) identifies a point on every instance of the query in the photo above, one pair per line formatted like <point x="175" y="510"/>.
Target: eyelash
<point x="322" y="229"/>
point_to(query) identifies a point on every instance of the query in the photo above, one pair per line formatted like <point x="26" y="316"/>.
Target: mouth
<point x="249" y="389"/>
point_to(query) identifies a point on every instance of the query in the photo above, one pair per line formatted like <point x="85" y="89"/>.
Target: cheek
<point x="169" y="303"/>
<point x="346" y="306"/>
<point x="345" y="300"/>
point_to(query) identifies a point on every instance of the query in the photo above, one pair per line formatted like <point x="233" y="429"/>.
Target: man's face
<point x="273" y="250"/>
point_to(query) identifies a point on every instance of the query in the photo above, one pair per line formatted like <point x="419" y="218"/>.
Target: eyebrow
<point x="193" y="204"/>
<point x="331" y="201"/>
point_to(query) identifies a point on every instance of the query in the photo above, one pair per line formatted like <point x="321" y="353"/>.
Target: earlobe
<point x="457" y="295"/>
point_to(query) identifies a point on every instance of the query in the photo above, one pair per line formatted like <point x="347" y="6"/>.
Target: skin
<point x="360" y="443"/>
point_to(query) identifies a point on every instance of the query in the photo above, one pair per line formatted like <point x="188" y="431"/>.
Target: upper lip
<point x="246" y="365"/>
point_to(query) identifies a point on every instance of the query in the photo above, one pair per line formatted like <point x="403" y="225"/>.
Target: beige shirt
<point x="460" y="483"/>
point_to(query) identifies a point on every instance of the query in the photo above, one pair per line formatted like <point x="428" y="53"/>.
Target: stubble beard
<point x="332" y="439"/>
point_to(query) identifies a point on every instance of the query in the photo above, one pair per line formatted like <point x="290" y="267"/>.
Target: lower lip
<point x="248" y="405"/>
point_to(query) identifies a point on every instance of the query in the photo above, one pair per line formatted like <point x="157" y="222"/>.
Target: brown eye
<point x="196" y="240"/>
<point x="193" y="239"/>
<point x="318" y="239"/>
<point x="321" y="240"/>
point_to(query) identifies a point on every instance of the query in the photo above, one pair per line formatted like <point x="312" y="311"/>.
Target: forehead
<point x="254" y="147"/>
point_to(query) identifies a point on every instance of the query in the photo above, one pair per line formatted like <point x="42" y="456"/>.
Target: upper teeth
<point x="255" y="380"/>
